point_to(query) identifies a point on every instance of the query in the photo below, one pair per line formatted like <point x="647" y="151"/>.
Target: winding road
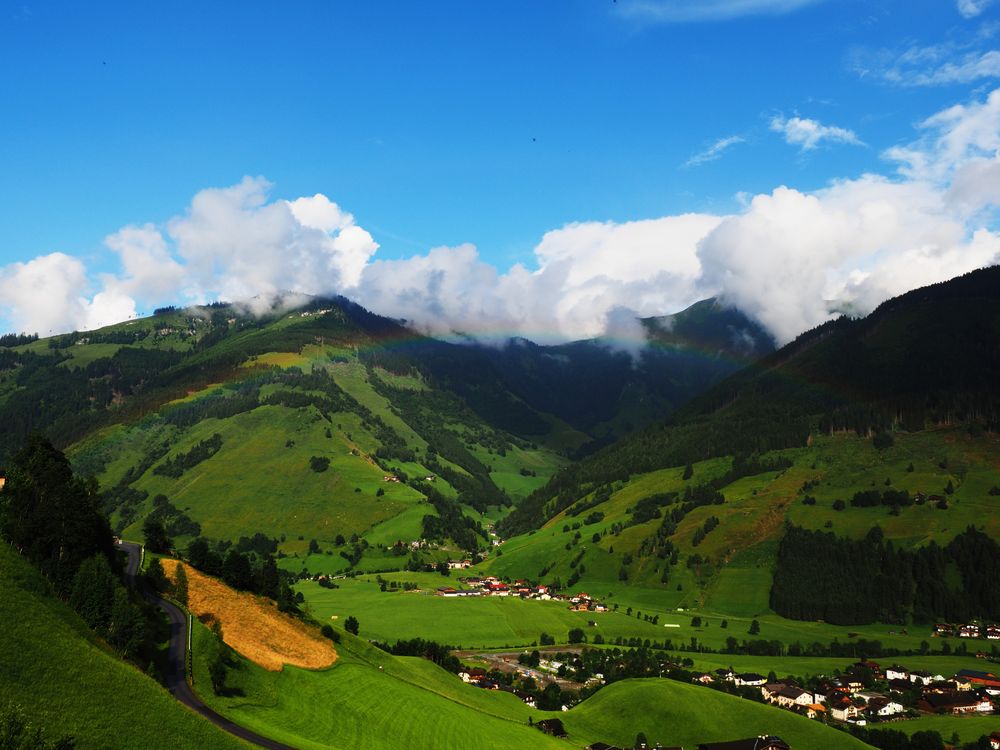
<point x="176" y="679"/>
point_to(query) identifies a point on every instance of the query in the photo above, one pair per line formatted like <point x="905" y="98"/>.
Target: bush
<point x="319" y="464"/>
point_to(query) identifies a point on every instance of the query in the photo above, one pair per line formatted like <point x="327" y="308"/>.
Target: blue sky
<point x="437" y="124"/>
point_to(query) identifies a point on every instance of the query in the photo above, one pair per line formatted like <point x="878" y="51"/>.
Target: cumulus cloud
<point x="808" y="134"/>
<point x="714" y="151"/>
<point x="790" y="258"/>
<point x="972" y="8"/>
<point x="683" y="11"/>
<point x="585" y="270"/>
<point x="48" y="295"/>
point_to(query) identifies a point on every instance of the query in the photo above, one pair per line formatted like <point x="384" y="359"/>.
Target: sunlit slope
<point x="369" y="699"/>
<point x="71" y="685"/>
<point x="677" y="714"/>
<point x="734" y="573"/>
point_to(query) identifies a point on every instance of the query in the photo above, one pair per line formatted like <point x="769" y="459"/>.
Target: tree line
<point x="819" y="576"/>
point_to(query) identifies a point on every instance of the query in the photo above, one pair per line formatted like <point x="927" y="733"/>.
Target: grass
<point x="969" y="728"/>
<point x="372" y="700"/>
<point x="71" y="684"/>
<point x="258" y="482"/>
<point x="675" y="713"/>
<point x="485" y="622"/>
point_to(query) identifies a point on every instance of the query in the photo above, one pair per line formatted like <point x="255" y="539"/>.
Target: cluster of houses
<point x="493" y="586"/>
<point x="847" y="700"/>
<point x="967" y="630"/>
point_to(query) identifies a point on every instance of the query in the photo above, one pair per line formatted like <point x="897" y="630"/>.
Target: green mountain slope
<point x="70" y="684"/>
<point x="788" y="441"/>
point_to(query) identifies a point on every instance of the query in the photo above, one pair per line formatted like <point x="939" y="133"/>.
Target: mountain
<point x="930" y="356"/>
<point x="607" y="388"/>
<point x="296" y="424"/>
<point x="888" y="421"/>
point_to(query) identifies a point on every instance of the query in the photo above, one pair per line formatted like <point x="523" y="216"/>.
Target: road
<point x="176" y="682"/>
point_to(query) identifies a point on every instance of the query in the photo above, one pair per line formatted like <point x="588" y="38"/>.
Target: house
<point x="921" y="677"/>
<point x="552" y="726"/>
<point x="968" y="631"/>
<point x="957" y="704"/>
<point x="815" y="710"/>
<point x="724" y="674"/>
<point x="751" y="743"/>
<point x="942" y="628"/>
<point x="881" y="705"/>
<point x="995" y="740"/>
<point x="769" y="690"/>
<point x="843" y="709"/>
<point x="472" y="675"/>
<point x="751" y="679"/>
<point x="703" y="678"/>
<point x="992" y="631"/>
<point x="896" y="672"/>
<point x="3" y="481"/>
<point x="792" y="697"/>
<point x="447" y="591"/>
<point x="978" y="679"/>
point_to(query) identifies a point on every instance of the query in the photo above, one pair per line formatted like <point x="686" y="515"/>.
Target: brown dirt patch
<point x="252" y="625"/>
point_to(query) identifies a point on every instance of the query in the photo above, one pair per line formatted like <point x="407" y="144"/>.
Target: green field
<point x="372" y="700"/>
<point x="674" y="713"/>
<point x="484" y="622"/>
<point x="969" y="728"/>
<point x="71" y="684"/>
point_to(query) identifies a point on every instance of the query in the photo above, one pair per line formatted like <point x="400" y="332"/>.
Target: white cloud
<point x="585" y="271"/>
<point x="48" y="295"/>
<point x="808" y="134"/>
<point x="791" y="259"/>
<point x="714" y="151"/>
<point x="682" y="11"/>
<point x="948" y="63"/>
<point x="972" y="8"/>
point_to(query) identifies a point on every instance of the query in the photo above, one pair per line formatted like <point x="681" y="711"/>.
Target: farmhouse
<point x="749" y="678"/>
<point x="995" y="741"/>
<point x="978" y="679"/>
<point x="955" y="703"/>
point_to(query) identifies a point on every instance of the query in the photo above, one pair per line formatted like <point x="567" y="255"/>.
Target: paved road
<point x="176" y="682"/>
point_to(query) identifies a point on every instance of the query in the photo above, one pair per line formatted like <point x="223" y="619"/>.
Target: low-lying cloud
<point x="791" y="259"/>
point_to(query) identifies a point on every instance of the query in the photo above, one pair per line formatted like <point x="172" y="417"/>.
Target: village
<point x="867" y="692"/>
<point x="493" y="586"/>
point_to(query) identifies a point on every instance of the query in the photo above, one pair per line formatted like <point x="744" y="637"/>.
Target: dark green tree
<point x="236" y="571"/>
<point x="52" y="517"/>
<point x="351" y="625"/>
<point x="93" y="591"/>
<point x="156" y="535"/>
<point x="181" y="585"/>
